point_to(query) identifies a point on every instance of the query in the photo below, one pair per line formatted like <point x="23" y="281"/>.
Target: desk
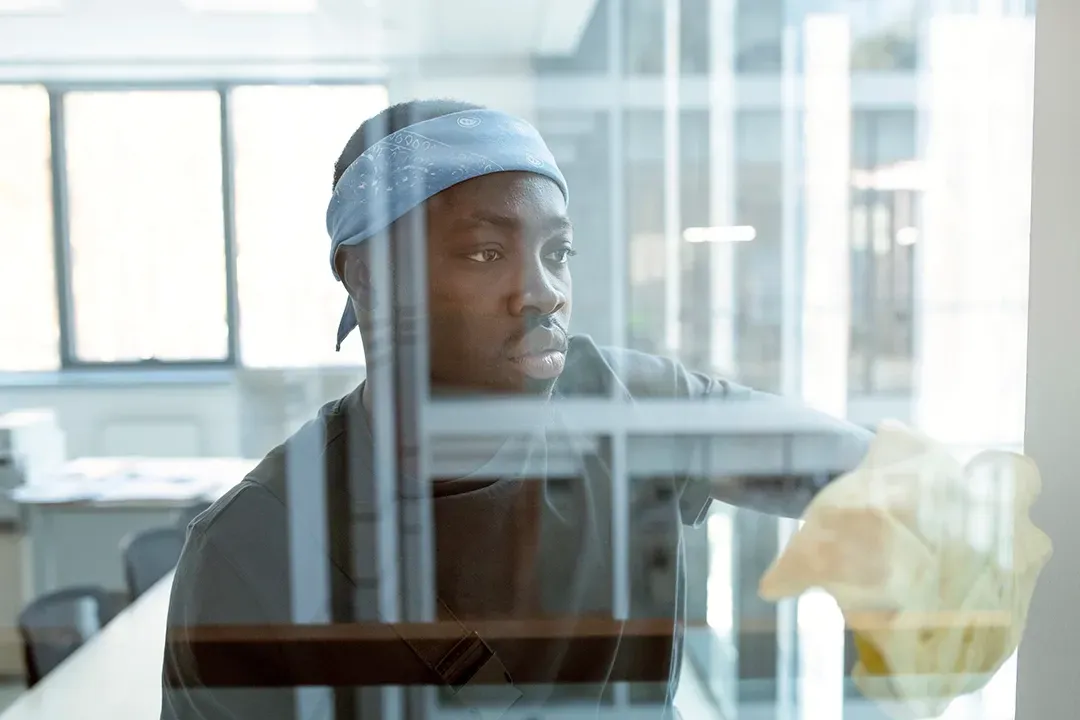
<point x="75" y="523"/>
<point x="117" y="675"/>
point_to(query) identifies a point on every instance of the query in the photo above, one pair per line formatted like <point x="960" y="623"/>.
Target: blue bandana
<point x="406" y="168"/>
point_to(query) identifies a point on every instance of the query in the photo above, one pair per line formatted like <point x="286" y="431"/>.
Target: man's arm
<point x="210" y="589"/>
<point x="789" y="495"/>
<point x="840" y="446"/>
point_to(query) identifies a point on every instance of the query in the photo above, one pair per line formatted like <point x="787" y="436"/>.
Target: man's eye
<point x="562" y="255"/>
<point x="485" y="256"/>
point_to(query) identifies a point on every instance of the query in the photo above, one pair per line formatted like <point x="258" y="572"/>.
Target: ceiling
<point x="312" y="31"/>
<point x="497" y="27"/>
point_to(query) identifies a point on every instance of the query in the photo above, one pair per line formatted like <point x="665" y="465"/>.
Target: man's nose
<point x="537" y="292"/>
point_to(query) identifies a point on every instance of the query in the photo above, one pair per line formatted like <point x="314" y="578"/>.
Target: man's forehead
<point x="504" y="201"/>
<point x="511" y="221"/>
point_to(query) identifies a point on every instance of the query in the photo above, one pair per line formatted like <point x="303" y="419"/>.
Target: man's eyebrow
<point x="553" y="223"/>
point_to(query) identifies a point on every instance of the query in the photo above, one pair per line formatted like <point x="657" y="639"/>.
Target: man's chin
<point x="518" y="387"/>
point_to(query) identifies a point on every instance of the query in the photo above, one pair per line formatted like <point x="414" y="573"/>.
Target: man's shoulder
<point x="594" y="369"/>
<point x="261" y="497"/>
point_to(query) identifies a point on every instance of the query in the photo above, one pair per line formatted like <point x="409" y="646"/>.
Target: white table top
<point x="117" y="675"/>
<point x="136" y="481"/>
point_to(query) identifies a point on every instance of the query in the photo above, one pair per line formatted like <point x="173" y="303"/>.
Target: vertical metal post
<point x="310" y="586"/>
<point x="228" y="211"/>
<point x="790" y="250"/>
<point x="672" y="191"/>
<point x="61" y="228"/>
<point x="620" y="479"/>
<point x="375" y="524"/>
<point x="411" y="393"/>
<point x="723" y="104"/>
<point x="791" y="259"/>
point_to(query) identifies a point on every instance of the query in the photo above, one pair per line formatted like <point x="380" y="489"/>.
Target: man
<point x="523" y="546"/>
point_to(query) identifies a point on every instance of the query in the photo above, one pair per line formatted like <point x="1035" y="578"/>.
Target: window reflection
<point x="884" y="34"/>
<point x="885" y="233"/>
<point x="29" y="339"/>
<point x="286" y="140"/>
<point x="921" y="319"/>
<point x="146" y="225"/>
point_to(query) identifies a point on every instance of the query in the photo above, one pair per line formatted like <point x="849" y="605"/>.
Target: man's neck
<point x="452" y="391"/>
<point x="480" y="457"/>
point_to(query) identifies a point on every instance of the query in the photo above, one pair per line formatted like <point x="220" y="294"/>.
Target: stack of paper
<point x="118" y="480"/>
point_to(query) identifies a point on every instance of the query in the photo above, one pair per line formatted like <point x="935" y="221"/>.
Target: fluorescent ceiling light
<point x="253" y="7"/>
<point x="908" y="175"/>
<point x="727" y="233"/>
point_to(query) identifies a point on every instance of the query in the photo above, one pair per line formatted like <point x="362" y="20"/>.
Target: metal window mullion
<point x="873" y="200"/>
<point x="411" y="394"/>
<point x="672" y="205"/>
<point x="791" y="255"/>
<point x="791" y="338"/>
<point x="228" y="212"/>
<point x="61" y="229"/>
<point x="620" y="479"/>
<point x="617" y="172"/>
<point x="384" y="534"/>
<point x="308" y="522"/>
<point x="722" y="109"/>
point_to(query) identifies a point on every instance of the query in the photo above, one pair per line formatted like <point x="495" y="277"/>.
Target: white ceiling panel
<point x="299" y="31"/>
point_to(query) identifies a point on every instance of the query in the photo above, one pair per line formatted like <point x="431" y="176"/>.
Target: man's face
<point x="499" y="284"/>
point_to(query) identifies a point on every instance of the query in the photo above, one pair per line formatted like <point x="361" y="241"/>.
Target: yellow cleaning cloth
<point x="932" y="563"/>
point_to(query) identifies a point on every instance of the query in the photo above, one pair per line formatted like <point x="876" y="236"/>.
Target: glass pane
<point x="645" y="213"/>
<point x="884" y="34"/>
<point x="578" y="140"/>
<point x="146" y="226"/>
<point x="591" y="53"/>
<point x="286" y="141"/>
<point x="694" y="33"/>
<point x="29" y="338"/>
<point x="758" y="286"/>
<point x="884" y="238"/>
<point x="791" y="259"/>
<point x="759" y="34"/>
<point x="644" y="37"/>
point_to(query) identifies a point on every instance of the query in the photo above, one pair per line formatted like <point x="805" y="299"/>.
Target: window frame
<point x="57" y="90"/>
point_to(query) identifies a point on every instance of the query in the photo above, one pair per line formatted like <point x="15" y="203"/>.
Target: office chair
<point x="149" y="556"/>
<point x="55" y="625"/>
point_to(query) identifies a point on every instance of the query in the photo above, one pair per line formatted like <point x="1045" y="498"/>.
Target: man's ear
<point x="355" y="273"/>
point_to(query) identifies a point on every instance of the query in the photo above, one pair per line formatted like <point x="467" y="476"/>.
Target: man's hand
<point x="932" y="563"/>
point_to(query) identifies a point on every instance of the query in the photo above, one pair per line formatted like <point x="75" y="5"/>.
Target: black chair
<point x="187" y="515"/>
<point x="55" y="625"/>
<point x="149" y="556"/>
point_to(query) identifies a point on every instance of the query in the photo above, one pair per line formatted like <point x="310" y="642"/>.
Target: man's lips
<point x="542" y="354"/>
<point x="546" y="365"/>
<point x="539" y="342"/>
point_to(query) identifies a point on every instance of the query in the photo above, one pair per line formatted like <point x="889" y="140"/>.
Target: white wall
<point x="101" y="418"/>
<point x="224" y="414"/>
